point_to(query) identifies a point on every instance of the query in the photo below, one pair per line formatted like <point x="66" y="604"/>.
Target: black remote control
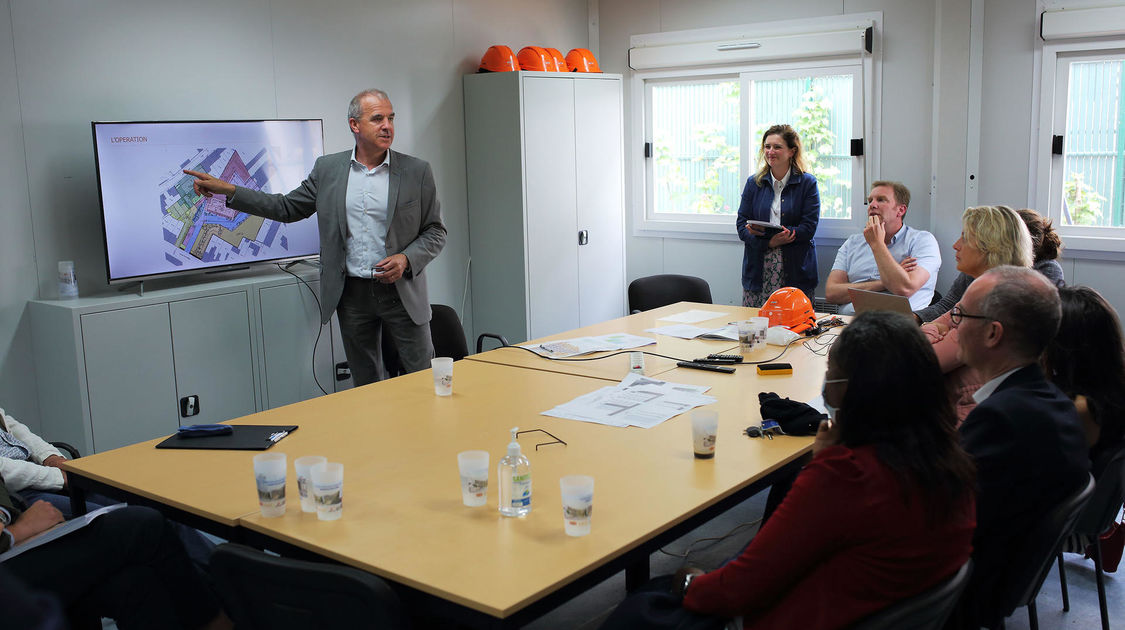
<point x="704" y="366"/>
<point x="716" y="360"/>
<point x="729" y="358"/>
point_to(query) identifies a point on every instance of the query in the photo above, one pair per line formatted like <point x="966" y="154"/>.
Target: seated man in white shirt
<point x="888" y="256"/>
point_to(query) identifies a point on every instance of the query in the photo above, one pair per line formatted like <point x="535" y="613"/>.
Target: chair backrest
<point x="446" y="332"/>
<point x="655" y="291"/>
<point x="925" y="611"/>
<point x="261" y="591"/>
<point x="1109" y="492"/>
<point x="1033" y="557"/>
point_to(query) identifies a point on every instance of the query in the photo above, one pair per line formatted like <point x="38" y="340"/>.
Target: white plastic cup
<point x="473" y="466"/>
<point x="577" y="503"/>
<point x="704" y="428"/>
<point x="758" y="326"/>
<point x="328" y="490"/>
<point x="269" y="473"/>
<point x="745" y="336"/>
<point x="68" y="282"/>
<point x="304" y="480"/>
<point x="443" y="375"/>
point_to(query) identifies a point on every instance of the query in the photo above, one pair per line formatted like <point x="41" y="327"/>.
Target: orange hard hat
<point x="789" y="307"/>
<point x="536" y="58"/>
<point x="582" y="60"/>
<point x="499" y="59"/>
<point x="557" y="57"/>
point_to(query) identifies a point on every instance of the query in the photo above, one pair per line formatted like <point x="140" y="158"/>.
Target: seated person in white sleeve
<point x="30" y="465"/>
<point x="888" y="256"/>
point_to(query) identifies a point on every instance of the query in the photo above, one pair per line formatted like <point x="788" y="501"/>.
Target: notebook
<point x="246" y="437"/>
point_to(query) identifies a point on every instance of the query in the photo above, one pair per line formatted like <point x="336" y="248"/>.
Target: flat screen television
<point x="156" y="226"/>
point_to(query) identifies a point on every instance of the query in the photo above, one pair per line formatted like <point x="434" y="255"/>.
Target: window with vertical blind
<point x="1079" y="178"/>
<point x="703" y="127"/>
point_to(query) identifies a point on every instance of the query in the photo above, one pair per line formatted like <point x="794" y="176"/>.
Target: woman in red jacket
<point x="884" y="511"/>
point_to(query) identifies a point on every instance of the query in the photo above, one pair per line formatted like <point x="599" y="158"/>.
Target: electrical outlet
<point x="189" y="406"/>
<point x="343" y="372"/>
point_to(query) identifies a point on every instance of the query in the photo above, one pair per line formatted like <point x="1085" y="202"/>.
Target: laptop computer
<point x="864" y="301"/>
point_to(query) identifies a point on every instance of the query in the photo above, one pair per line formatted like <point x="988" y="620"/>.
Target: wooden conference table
<point x="403" y="519"/>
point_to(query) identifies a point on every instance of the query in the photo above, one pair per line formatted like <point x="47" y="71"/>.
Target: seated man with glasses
<point x="1024" y="433"/>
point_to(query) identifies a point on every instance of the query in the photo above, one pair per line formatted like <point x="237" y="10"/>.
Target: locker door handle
<point x="583" y="237"/>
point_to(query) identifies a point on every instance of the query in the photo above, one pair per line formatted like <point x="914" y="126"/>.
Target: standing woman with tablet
<point x="781" y="193"/>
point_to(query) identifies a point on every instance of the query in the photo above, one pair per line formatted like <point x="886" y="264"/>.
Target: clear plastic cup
<point x="269" y="473"/>
<point x="443" y="375"/>
<point x="577" y="503"/>
<point x="473" y="466"/>
<point x="704" y="428"/>
<point x="328" y="490"/>
<point x="304" y="480"/>
<point x="758" y="327"/>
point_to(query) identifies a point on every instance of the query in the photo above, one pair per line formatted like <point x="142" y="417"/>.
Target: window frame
<point x="866" y="69"/>
<point x="1047" y="176"/>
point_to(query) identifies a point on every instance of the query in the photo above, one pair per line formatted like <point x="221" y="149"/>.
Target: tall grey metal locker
<point x="546" y="201"/>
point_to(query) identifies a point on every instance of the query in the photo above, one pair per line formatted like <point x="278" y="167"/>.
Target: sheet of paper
<point x="683" y="331"/>
<point x="58" y="531"/>
<point x="563" y="348"/>
<point x="687" y="331"/>
<point x="693" y="316"/>
<point x="637" y="401"/>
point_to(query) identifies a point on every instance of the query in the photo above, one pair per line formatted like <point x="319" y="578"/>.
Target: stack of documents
<point x="693" y="316"/>
<point x="586" y="345"/>
<point x="636" y="401"/>
<point x="687" y="331"/>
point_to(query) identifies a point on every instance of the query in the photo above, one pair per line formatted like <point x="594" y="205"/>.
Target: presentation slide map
<point x="157" y="224"/>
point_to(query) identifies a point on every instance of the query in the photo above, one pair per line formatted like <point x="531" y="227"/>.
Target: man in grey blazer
<point x="380" y="225"/>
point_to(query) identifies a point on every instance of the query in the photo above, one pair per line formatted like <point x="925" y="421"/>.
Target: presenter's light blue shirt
<point x="368" y="219"/>
<point x="857" y="260"/>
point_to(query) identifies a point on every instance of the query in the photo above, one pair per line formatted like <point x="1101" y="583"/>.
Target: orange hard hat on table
<point x="789" y="307"/>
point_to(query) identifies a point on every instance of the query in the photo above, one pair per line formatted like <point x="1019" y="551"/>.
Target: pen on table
<point x="274" y="437"/>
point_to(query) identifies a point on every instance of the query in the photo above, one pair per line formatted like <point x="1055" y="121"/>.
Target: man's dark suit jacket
<point x="1030" y="454"/>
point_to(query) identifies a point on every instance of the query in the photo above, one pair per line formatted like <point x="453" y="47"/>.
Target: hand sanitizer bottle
<point x="514" y="475"/>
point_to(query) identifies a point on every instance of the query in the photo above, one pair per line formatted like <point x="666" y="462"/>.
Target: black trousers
<point x="128" y="565"/>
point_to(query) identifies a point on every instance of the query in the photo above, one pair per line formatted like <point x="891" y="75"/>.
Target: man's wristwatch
<point x="687" y="582"/>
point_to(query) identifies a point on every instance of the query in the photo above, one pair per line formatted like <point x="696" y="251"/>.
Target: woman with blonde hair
<point x="783" y="193"/>
<point x="990" y="236"/>
<point x="1045" y="247"/>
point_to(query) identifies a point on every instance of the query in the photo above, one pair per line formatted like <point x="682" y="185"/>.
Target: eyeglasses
<point x="958" y="314"/>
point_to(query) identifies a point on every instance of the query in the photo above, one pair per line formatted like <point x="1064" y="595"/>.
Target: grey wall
<point x="64" y="63"/>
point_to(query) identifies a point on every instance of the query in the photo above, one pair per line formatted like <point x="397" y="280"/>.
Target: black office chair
<point x="446" y="332"/>
<point x="265" y="592"/>
<point x="652" y="292"/>
<point x="925" y="611"/>
<point x="447" y="335"/>
<point x="1033" y="557"/>
<point x="1098" y="516"/>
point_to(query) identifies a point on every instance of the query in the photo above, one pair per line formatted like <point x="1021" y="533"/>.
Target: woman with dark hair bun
<point x="1045" y="245"/>
<point x="884" y="511"/>
<point x="1086" y="360"/>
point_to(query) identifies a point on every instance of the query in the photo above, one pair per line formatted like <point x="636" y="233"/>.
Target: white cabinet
<point x="546" y="201"/>
<point x="112" y="370"/>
